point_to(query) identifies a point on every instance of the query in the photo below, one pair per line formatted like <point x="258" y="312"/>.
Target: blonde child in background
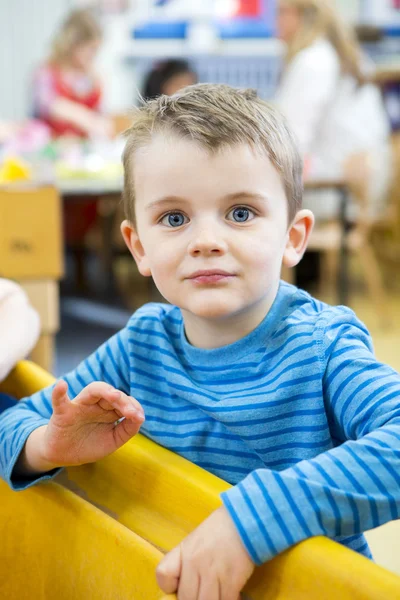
<point x="243" y="374"/>
<point x="333" y="108"/>
<point x="67" y="98"/>
<point x="19" y="330"/>
<point x="66" y="90"/>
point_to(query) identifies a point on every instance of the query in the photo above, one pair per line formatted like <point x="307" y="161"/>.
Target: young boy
<point x="247" y="376"/>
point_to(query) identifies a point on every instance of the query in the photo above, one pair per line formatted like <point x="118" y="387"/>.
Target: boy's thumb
<point x="169" y="570"/>
<point x="59" y="395"/>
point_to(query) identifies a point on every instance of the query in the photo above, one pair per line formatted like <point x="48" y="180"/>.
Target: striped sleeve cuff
<point x="18" y="483"/>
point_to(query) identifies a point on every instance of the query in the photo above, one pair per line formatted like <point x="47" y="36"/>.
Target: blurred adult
<point x="328" y="97"/>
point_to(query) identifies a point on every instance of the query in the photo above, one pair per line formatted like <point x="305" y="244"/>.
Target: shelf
<point x="174" y="47"/>
<point x="376" y="33"/>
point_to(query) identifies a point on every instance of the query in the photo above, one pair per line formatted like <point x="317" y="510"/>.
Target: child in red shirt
<point x="66" y="91"/>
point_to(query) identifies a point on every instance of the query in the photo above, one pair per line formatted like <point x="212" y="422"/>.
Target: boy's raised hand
<point x="83" y="430"/>
<point x="210" y="564"/>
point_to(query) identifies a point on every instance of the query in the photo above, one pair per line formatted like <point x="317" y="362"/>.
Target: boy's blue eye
<point x="174" y="219"/>
<point x="241" y="214"/>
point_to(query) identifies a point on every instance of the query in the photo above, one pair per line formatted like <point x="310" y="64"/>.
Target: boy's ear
<point x="298" y="235"/>
<point x="135" y="247"/>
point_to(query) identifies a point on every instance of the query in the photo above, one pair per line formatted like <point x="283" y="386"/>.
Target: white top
<point x="19" y="326"/>
<point x="331" y="116"/>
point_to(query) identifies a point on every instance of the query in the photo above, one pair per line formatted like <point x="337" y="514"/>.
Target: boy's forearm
<point x="32" y="460"/>
<point x="339" y="493"/>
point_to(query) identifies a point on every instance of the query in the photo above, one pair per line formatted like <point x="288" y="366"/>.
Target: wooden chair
<point x="386" y="231"/>
<point x="326" y="238"/>
<point x="103" y="537"/>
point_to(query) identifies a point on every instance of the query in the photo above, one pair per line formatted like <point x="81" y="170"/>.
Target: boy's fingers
<point x="210" y="589"/>
<point x="227" y="593"/>
<point x="169" y="571"/>
<point x="94" y="391"/>
<point x="126" y="429"/>
<point x="126" y="405"/>
<point x="98" y="390"/>
<point x="131" y="409"/>
<point x="189" y="584"/>
<point x="59" y="395"/>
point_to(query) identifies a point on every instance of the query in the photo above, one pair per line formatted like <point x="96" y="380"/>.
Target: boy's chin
<point x="211" y="310"/>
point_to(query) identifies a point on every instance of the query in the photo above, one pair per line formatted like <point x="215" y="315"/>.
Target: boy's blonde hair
<point x="216" y="117"/>
<point x="320" y="18"/>
<point x="80" y="27"/>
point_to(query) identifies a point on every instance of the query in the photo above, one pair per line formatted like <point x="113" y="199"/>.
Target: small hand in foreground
<point x="83" y="430"/>
<point x="210" y="564"/>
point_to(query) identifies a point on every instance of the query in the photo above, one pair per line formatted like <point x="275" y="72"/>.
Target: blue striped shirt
<point x="298" y="415"/>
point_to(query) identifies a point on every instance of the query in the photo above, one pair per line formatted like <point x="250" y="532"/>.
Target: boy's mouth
<point x="210" y="276"/>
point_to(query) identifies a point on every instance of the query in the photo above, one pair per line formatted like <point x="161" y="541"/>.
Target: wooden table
<point x="81" y="190"/>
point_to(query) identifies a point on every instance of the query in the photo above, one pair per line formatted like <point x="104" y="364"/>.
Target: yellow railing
<point x="100" y="529"/>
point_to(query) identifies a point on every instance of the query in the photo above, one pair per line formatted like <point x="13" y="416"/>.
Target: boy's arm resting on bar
<point x="344" y="491"/>
<point x="28" y="430"/>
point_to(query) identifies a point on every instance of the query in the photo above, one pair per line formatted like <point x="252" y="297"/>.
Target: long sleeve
<point x="110" y="363"/>
<point x="344" y="491"/>
<point x="306" y="91"/>
<point x="19" y="326"/>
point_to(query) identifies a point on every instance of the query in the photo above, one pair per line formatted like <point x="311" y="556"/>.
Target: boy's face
<point x="211" y="229"/>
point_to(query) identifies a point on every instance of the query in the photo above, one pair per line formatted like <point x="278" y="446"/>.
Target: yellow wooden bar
<point x="162" y="497"/>
<point x="54" y="545"/>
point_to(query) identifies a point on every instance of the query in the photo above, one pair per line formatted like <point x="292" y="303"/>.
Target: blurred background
<point x="72" y="70"/>
<point x="70" y="73"/>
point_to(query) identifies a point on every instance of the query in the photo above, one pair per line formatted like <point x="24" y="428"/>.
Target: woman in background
<point x="168" y="77"/>
<point x="66" y="90"/>
<point x="327" y="95"/>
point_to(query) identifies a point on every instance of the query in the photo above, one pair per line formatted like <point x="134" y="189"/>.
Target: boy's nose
<point x="207" y="241"/>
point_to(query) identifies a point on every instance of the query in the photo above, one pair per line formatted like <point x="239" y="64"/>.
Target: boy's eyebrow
<point x="167" y="200"/>
<point x="245" y="195"/>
